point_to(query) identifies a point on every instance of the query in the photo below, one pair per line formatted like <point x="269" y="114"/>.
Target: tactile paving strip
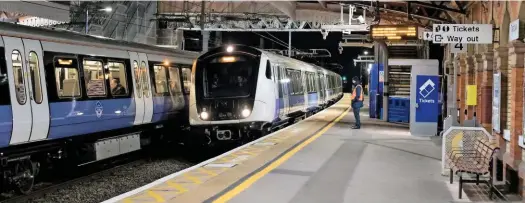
<point x="181" y="184"/>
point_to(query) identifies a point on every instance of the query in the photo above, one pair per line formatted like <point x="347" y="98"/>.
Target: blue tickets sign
<point x="427" y="98"/>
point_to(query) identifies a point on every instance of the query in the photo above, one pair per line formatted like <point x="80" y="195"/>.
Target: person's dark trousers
<point x="357" y="119"/>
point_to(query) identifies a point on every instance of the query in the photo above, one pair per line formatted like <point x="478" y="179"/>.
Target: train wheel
<point x="24" y="176"/>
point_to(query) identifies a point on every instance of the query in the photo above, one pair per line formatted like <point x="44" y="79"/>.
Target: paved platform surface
<point x="320" y="159"/>
<point x="373" y="164"/>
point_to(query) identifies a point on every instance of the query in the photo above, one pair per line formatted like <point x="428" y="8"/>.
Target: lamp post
<point x="107" y="9"/>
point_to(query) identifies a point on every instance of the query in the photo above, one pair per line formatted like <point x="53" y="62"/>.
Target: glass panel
<point x="5" y="99"/>
<point x="174" y="81"/>
<point x="138" y="81"/>
<point x="292" y="82"/>
<point x="94" y="78"/>
<point x="161" y="85"/>
<point x="268" y="70"/>
<point x="186" y="75"/>
<point x="18" y="72"/>
<point x="229" y="77"/>
<point x="144" y="74"/>
<point x="67" y="82"/>
<point x="118" y="81"/>
<point x="35" y="77"/>
<point x="280" y="81"/>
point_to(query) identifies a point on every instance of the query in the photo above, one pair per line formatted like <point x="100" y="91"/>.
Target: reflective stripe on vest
<point x="354" y="93"/>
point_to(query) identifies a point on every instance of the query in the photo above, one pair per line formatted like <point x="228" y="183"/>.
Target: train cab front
<point x="223" y="106"/>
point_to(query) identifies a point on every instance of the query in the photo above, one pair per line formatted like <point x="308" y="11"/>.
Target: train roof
<point x="257" y="51"/>
<point x="69" y="37"/>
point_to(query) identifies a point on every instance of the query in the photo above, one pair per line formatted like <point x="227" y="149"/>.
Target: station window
<point x="161" y="85"/>
<point x="145" y="81"/>
<point x="186" y="79"/>
<point x="35" y="77"/>
<point x="174" y="81"/>
<point x="138" y="79"/>
<point x="67" y="79"/>
<point x="94" y="78"/>
<point x="18" y="71"/>
<point x="118" y="81"/>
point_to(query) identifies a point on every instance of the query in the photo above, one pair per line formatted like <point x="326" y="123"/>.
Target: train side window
<point x="311" y="82"/>
<point x="174" y="83"/>
<point x="280" y="81"/>
<point x="18" y="72"/>
<point x="161" y="86"/>
<point x="67" y="78"/>
<point x="299" y="82"/>
<point x="144" y="74"/>
<point x="268" y="70"/>
<point x="5" y="99"/>
<point x="186" y="79"/>
<point x="291" y="77"/>
<point x="35" y="77"/>
<point x="118" y="81"/>
<point x="138" y="79"/>
<point x="94" y="78"/>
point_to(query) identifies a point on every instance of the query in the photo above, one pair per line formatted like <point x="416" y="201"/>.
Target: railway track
<point x="51" y="188"/>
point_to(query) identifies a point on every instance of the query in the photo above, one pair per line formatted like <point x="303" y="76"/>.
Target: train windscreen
<point x="229" y="76"/>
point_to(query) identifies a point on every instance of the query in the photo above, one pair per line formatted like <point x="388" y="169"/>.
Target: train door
<point x="278" y="89"/>
<point x="138" y="93"/>
<point x="27" y="88"/>
<point x="285" y="81"/>
<point x="146" y="88"/>
<point x="37" y="89"/>
<point x="304" y="82"/>
<point x="320" y="88"/>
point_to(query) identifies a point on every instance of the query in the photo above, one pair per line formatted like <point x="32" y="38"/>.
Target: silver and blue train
<point x="85" y="98"/>
<point x="242" y="91"/>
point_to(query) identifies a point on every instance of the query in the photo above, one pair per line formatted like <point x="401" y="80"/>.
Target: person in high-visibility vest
<point x="357" y="101"/>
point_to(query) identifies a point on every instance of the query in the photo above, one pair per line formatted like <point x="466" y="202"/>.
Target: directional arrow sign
<point x="462" y="33"/>
<point x="428" y="36"/>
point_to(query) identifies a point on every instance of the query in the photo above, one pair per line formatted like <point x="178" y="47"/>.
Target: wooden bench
<point x="475" y="161"/>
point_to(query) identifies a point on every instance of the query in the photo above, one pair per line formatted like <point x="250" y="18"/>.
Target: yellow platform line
<point x="156" y="196"/>
<point x="127" y="200"/>
<point x="179" y="187"/>
<point x="252" y="179"/>
<point x="211" y="173"/>
<point x="192" y="178"/>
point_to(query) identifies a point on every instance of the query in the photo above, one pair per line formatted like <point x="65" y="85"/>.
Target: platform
<point x="320" y="159"/>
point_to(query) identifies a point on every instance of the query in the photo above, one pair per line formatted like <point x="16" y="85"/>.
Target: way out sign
<point x="462" y="33"/>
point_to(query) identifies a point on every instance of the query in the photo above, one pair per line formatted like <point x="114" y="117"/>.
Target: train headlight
<point x="204" y="115"/>
<point x="245" y="113"/>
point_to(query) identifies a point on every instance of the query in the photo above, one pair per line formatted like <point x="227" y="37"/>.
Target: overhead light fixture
<point x="229" y="49"/>
<point x="107" y="9"/>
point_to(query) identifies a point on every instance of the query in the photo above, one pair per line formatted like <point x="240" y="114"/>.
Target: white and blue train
<point x="239" y="90"/>
<point x="86" y="98"/>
